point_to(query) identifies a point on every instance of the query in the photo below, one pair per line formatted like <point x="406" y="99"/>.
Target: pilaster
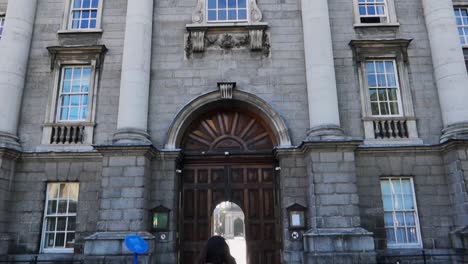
<point x="7" y="171"/>
<point x="335" y="234"/>
<point x="124" y="199"/>
<point x="132" y="120"/>
<point x="14" y="51"/>
<point x="320" y="71"/>
<point x="449" y="66"/>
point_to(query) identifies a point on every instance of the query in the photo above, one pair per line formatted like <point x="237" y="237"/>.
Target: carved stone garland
<point x="230" y="35"/>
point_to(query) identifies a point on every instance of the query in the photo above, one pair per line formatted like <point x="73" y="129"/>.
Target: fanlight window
<point x="227" y="10"/>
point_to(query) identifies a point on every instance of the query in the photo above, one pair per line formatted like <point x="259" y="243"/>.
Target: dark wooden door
<point x="249" y="184"/>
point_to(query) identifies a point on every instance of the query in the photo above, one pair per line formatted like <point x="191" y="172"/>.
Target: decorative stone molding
<point x="68" y="134"/>
<point x="227" y="37"/>
<point x="375" y="47"/>
<point x="59" y="54"/>
<point x="226" y="88"/>
<point x="230" y="35"/>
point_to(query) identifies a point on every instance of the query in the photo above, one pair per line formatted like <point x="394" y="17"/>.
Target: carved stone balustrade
<point x="391" y="130"/>
<point x="59" y="134"/>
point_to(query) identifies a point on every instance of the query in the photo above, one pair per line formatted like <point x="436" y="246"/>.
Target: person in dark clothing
<point x="216" y="251"/>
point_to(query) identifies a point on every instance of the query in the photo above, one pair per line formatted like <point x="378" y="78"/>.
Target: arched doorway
<point x="228" y="156"/>
<point x="228" y="222"/>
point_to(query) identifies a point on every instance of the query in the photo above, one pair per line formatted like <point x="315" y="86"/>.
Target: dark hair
<point x="216" y="251"/>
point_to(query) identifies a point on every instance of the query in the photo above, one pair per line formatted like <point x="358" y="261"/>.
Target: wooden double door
<point x="250" y="184"/>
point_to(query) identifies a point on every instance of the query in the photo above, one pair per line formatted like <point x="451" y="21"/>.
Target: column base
<point x="339" y="245"/>
<point x="131" y="136"/>
<point x="4" y="244"/>
<point x="455" y="131"/>
<point x="9" y="141"/>
<point x="325" y="132"/>
<point x="459" y="237"/>
<point x="112" y="243"/>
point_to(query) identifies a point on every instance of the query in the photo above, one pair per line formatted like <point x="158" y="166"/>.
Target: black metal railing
<point x="423" y="258"/>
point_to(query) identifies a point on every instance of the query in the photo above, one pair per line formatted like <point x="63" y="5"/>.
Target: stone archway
<point x="213" y="100"/>
<point x="228" y="156"/>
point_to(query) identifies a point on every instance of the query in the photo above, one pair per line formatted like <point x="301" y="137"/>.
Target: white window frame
<point x="415" y="211"/>
<point x="390" y="18"/>
<point x="60" y="93"/>
<point x="61" y="57"/>
<point x="2" y="24"/>
<point x="463" y="26"/>
<point x="46" y="216"/>
<point x="68" y="18"/>
<point x="247" y="19"/>
<point x="397" y="79"/>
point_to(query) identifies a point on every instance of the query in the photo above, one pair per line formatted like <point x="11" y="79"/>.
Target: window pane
<point x="94" y="14"/>
<point x="242" y="14"/>
<point x="380" y="67"/>
<point x="392" y="95"/>
<point x="73" y="113"/>
<point x="373" y="94"/>
<point x="86" y="3"/>
<point x="84" y="23"/>
<point x="394" y="109"/>
<point x="222" y="3"/>
<point x="371" y="80"/>
<point x="412" y="235"/>
<point x="387" y="202"/>
<point x="222" y="15"/>
<point x="375" y="108"/>
<point x="388" y="219"/>
<point x="50" y="226"/>
<point x="371" y="10"/>
<point x="211" y="4"/>
<point x="60" y="240"/>
<point x="382" y="94"/>
<point x="385" y="187"/>
<point x="53" y="190"/>
<point x="232" y="4"/>
<point x="362" y="10"/>
<point x="409" y="204"/>
<point x="92" y="23"/>
<point x="410" y="221"/>
<point x="212" y="15"/>
<point x="381" y="80"/>
<point x="62" y="206"/>
<point x="73" y="187"/>
<point x="401" y="235"/>
<point x="77" y="4"/>
<point x="84" y="113"/>
<point x="70" y="240"/>
<point x="370" y="67"/>
<point x="242" y="4"/>
<point x="49" y="238"/>
<point x="71" y="223"/>
<point x="61" y="222"/>
<point x="85" y="14"/>
<point x="399" y="219"/>
<point x="75" y="100"/>
<point x="64" y="113"/>
<point x="232" y="15"/>
<point x="95" y="4"/>
<point x="391" y="236"/>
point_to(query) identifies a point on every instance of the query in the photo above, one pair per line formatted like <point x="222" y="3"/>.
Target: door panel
<point x="251" y="186"/>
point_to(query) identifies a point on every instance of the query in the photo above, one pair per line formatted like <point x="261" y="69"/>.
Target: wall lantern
<point x="160" y="219"/>
<point x="297" y="221"/>
<point x="297" y="216"/>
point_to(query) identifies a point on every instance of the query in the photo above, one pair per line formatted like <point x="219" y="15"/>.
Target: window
<point x="384" y="91"/>
<point x="461" y="16"/>
<point x="400" y="212"/>
<point x="83" y="14"/>
<point x="2" y="23"/>
<point x="74" y="93"/>
<point x="227" y="10"/>
<point x="372" y="11"/>
<point x="387" y="105"/>
<point x="71" y="109"/>
<point x="58" y="235"/>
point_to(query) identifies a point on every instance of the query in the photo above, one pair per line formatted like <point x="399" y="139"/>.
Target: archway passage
<point x="228" y="157"/>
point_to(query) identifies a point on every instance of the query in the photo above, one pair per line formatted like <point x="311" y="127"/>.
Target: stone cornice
<point x="147" y="150"/>
<point x="66" y="155"/>
<point x="449" y="145"/>
<point x="9" y="153"/>
<point x="58" y="53"/>
<point x="363" y="48"/>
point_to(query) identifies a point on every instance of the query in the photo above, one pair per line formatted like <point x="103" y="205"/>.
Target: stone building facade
<point x="355" y="110"/>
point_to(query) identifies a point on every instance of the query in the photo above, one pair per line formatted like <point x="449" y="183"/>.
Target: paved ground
<point x="238" y="249"/>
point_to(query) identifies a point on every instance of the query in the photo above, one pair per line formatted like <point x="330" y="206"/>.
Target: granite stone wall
<point x="426" y="167"/>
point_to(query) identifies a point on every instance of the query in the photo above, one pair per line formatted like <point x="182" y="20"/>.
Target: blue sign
<point x="136" y="244"/>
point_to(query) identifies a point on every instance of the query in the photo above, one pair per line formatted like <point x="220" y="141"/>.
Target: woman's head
<point x="216" y="251"/>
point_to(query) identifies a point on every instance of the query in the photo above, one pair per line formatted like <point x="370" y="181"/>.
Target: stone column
<point x="449" y="66"/>
<point x="132" y="120"/>
<point x="7" y="170"/>
<point x="320" y="71"/>
<point x="14" y="54"/>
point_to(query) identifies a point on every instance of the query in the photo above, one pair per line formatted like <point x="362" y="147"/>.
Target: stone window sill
<point x="391" y="131"/>
<point x="370" y="25"/>
<point x="241" y="35"/>
<point x="79" y="31"/>
<point x="66" y="135"/>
